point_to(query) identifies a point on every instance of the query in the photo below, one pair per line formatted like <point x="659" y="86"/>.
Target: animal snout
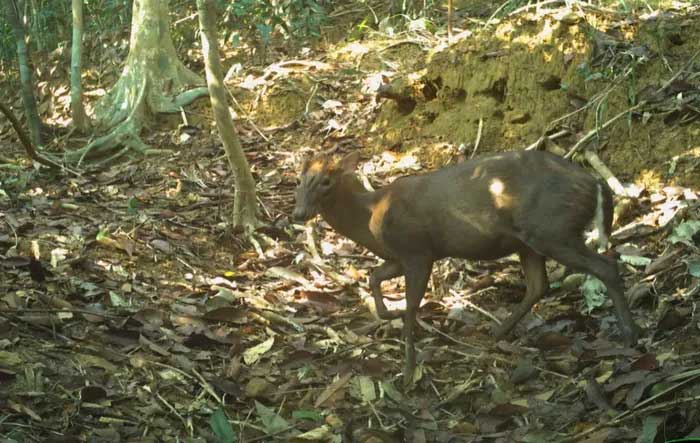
<point x="300" y="215"/>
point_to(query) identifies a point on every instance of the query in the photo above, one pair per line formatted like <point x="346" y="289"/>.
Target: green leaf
<point x="132" y="206"/>
<point x="635" y="260"/>
<point x="117" y="300"/>
<point x="593" y="292"/>
<point x="305" y="414"/>
<point x="265" y="31"/>
<point x="235" y="39"/>
<point x="390" y="390"/>
<point x="650" y="429"/>
<point x="303" y="372"/>
<point x="538" y="436"/>
<point x="272" y="422"/>
<point x="693" y="268"/>
<point x="594" y="76"/>
<point x="684" y="232"/>
<point x="221" y="427"/>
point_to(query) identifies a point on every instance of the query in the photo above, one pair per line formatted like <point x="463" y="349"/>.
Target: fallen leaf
<point x="322" y="433"/>
<point x="272" y="422"/>
<point x="332" y="388"/>
<point x="253" y="354"/>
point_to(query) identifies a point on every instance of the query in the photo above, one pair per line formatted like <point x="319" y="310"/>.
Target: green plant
<point x="8" y="50"/>
<point x="15" y="183"/>
<point x="413" y="9"/>
<point x="248" y="18"/>
<point x="304" y="17"/>
<point x="259" y="19"/>
<point x="107" y="15"/>
<point x="50" y="23"/>
<point x="588" y="74"/>
<point x="221" y="427"/>
<point x="512" y="5"/>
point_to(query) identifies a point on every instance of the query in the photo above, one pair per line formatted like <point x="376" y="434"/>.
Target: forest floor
<point x="145" y="313"/>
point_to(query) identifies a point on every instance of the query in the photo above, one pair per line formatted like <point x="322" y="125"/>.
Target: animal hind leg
<point x="386" y="271"/>
<point x="533" y="265"/>
<point x="576" y="255"/>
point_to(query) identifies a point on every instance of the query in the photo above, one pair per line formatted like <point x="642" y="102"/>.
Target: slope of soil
<point x="523" y="76"/>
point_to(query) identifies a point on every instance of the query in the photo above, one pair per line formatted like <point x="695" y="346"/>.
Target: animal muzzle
<point x="302" y="214"/>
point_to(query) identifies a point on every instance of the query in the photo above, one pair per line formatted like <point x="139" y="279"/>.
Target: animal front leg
<point x="417" y="275"/>
<point x="385" y="271"/>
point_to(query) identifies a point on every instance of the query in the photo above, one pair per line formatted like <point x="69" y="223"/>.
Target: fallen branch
<point x="569" y="3"/>
<point x="605" y="172"/>
<point x="59" y="311"/>
<point x="478" y="137"/>
<point x="450" y="9"/>
<point x="678" y="73"/>
<point x="28" y="146"/>
<point x="544" y="138"/>
<point x="475" y="307"/>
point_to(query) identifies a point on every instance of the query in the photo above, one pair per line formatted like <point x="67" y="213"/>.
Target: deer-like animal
<point x="532" y="203"/>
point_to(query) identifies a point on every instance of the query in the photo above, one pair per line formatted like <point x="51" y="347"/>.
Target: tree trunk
<point x="450" y="8"/>
<point x="25" y="73"/>
<point x="153" y="63"/>
<point x="244" y="206"/>
<point x="154" y="80"/>
<point x="76" y="89"/>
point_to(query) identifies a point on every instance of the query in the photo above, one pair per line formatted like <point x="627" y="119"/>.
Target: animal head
<point x="320" y="176"/>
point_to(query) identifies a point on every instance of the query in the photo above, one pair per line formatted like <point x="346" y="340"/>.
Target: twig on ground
<point x="478" y="137"/>
<point x="311" y="242"/>
<point x="678" y="73"/>
<point x="605" y="172"/>
<point x="434" y="330"/>
<point x="172" y="409"/>
<point x="552" y="137"/>
<point x="20" y="311"/>
<point x="273" y="317"/>
<point x="207" y="387"/>
<point x="475" y="307"/>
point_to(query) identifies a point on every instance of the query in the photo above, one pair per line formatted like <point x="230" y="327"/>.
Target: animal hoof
<point x="631" y="335"/>
<point x="500" y="331"/>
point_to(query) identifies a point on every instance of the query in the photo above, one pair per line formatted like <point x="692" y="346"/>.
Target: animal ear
<point x="349" y="163"/>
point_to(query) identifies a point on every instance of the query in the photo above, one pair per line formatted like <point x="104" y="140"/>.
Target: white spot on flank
<point x="496" y="187"/>
<point x="498" y="194"/>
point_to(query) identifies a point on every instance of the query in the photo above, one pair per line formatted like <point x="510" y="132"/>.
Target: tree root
<point x="124" y="139"/>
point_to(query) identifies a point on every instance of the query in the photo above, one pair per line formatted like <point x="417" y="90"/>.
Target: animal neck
<point x="349" y="211"/>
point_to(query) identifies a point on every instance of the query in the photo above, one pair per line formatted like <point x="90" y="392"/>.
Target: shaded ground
<point x="144" y="313"/>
